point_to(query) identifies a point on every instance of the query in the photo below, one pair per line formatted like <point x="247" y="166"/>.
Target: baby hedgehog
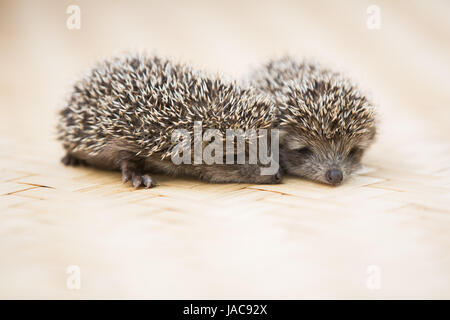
<point x="122" y="114"/>
<point x="326" y="124"/>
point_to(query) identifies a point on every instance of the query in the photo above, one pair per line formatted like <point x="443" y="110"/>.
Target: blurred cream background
<point x="192" y="240"/>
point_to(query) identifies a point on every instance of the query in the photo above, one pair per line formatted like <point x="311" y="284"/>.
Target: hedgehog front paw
<point x="143" y="180"/>
<point x="131" y="173"/>
<point x="270" y="179"/>
<point x="137" y="179"/>
<point x="277" y="177"/>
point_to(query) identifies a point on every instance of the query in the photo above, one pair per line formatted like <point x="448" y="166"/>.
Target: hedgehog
<point x="122" y="114"/>
<point x="326" y="123"/>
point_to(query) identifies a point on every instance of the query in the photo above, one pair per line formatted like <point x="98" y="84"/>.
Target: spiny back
<point x="317" y="101"/>
<point x="138" y="101"/>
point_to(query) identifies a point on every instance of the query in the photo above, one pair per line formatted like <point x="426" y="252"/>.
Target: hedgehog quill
<point x="326" y="123"/>
<point x="123" y="113"/>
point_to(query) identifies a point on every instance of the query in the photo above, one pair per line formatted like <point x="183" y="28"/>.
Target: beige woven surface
<point x="187" y="239"/>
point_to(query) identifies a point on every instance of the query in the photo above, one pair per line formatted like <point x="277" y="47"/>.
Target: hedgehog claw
<point x="142" y="180"/>
<point x="148" y="181"/>
<point x="137" y="181"/>
<point x="126" y="176"/>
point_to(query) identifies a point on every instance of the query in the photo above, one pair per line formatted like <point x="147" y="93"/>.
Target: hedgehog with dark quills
<point x="326" y="123"/>
<point x="122" y="115"/>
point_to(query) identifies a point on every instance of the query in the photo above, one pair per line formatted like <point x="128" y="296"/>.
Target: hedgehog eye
<point x="355" y="152"/>
<point x="304" y="151"/>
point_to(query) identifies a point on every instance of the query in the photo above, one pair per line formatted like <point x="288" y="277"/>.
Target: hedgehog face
<point x="328" y="161"/>
<point x="325" y="122"/>
<point x="328" y="125"/>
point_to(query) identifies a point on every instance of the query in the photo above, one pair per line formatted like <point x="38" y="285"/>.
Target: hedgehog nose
<point x="334" y="176"/>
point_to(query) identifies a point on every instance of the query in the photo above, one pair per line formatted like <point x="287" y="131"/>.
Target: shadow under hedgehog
<point x="326" y="123"/>
<point x="122" y="115"/>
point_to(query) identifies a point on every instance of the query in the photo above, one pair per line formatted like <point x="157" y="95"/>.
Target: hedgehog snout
<point x="334" y="176"/>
